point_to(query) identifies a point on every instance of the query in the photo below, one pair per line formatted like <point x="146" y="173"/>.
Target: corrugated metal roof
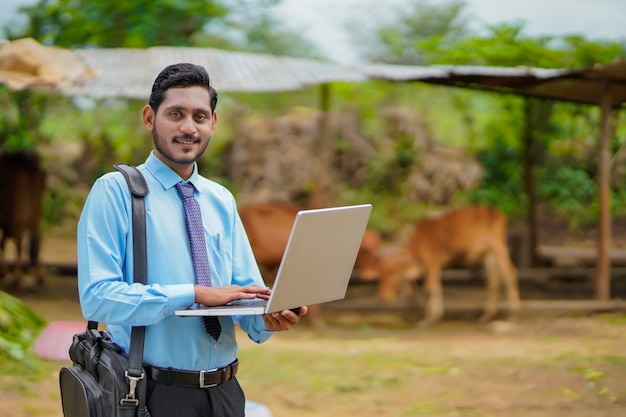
<point x="581" y="86"/>
<point x="422" y="73"/>
<point x="130" y="72"/>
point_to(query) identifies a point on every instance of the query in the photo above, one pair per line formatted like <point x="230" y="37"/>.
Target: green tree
<point x="399" y="39"/>
<point x="507" y="44"/>
<point x="117" y="23"/>
<point x="250" y="26"/>
<point x="226" y="24"/>
<point x="436" y="33"/>
<point x="20" y="114"/>
<point x="423" y="33"/>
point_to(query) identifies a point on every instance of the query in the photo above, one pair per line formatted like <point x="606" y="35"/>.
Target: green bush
<point x="502" y="185"/>
<point x="571" y="193"/>
<point x="19" y="326"/>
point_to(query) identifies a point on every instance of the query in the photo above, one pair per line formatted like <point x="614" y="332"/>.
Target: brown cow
<point x="461" y="237"/>
<point x="268" y="226"/>
<point x="22" y="182"/>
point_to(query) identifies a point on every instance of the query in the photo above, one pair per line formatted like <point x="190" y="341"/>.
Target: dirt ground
<point x="380" y="364"/>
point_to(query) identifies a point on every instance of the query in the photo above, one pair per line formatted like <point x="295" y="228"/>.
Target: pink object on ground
<point x="55" y="340"/>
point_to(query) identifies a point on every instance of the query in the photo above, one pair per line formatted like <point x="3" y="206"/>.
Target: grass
<point x="431" y="377"/>
<point x="576" y="367"/>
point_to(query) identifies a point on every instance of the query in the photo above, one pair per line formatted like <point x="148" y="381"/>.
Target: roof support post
<point x="607" y="129"/>
<point x="324" y="192"/>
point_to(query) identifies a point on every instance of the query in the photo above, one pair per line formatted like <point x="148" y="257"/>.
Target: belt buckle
<point x="202" y="384"/>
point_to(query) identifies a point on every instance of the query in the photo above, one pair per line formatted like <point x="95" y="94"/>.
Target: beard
<point x="186" y="157"/>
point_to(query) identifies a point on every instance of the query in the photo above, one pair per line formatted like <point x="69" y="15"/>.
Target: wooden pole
<point x="607" y="128"/>
<point x="323" y="193"/>
<point x="530" y="152"/>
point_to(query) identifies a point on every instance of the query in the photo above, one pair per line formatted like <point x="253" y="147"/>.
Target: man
<point x="181" y="116"/>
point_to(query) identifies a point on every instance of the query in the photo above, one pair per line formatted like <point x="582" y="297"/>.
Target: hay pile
<point x="287" y="159"/>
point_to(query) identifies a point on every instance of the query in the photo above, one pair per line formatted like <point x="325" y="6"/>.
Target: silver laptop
<point x="316" y="265"/>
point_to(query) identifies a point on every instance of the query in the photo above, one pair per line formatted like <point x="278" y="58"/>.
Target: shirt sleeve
<point x="105" y="286"/>
<point x="255" y="328"/>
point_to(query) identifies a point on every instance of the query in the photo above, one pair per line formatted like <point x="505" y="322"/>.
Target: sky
<point x="323" y="21"/>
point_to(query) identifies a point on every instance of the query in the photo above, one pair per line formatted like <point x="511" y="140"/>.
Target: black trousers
<point x="224" y="400"/>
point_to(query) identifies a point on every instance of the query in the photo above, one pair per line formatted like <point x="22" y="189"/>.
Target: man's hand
<point x="283" y="320"/>
<point x="216" y="296"/>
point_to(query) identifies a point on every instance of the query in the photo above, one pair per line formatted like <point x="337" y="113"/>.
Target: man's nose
<point x="188" y="125"/>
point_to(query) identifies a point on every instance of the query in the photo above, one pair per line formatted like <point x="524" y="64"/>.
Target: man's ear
<point x="147" y="115"/>
<point x="214" y="122"/>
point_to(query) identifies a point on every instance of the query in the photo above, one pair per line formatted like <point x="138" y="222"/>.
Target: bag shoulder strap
<point x="138" y="189"/>
<point x="136" y="182"/>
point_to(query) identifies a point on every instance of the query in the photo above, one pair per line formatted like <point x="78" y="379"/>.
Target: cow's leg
<point x="434" y="296"/>
<point x="16" y="276"/>
<point x="388" y="287"/>
<point x="508" y="273"/>
<point x="37" y="270"/>
<point x="411" y="276"/>
<point x="492" y="273"/>
<point x="389" y="280"/>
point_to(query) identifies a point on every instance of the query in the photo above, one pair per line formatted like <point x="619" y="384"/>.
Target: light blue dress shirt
<point x="105" y="267"/>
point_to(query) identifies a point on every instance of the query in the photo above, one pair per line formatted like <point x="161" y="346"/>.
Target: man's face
<point x="182" y="127"/>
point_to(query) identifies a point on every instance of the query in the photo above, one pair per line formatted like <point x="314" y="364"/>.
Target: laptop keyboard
<point x="249" y="302"/>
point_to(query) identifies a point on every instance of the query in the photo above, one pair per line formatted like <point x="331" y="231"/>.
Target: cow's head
<point x="397" y="270"/>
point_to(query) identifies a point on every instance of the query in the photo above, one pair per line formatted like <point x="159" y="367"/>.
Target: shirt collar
<point x="166" y="176"/>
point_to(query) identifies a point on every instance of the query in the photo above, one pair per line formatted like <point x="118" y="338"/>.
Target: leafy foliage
<point x="436" y="33"/>
<point x="225" y="24"/>
<point x="502" y="186"/>
<point x="401" y="38"/>
<point x="570" y="191"/>
<point x="250" y="27"/>
<point x="423" y="33"/>
<point x="19" y="325"/>
<point x="19" y="118"/>
<point x="118" y="23"/>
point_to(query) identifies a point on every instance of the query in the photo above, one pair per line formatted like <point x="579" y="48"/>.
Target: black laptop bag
<point x="103" y="381"/>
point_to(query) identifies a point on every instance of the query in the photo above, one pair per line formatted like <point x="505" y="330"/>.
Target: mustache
<point x="186" y="137"/>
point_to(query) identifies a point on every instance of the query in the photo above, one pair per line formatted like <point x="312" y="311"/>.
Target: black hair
<point x="181" y="75"/>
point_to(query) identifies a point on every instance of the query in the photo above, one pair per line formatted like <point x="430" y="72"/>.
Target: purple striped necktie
<point x="195" y="232"/>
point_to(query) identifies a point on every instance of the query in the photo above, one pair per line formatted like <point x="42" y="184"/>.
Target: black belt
<point x="196" y="379"/>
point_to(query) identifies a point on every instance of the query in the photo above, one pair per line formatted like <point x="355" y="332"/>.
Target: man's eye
<point x="175" y="114"/>
<point x="201" y="117"/>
